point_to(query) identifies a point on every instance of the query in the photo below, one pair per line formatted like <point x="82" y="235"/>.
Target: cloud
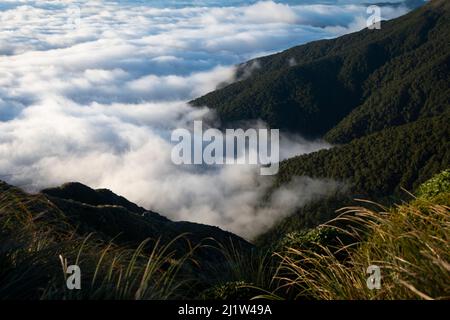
<point x="270" y="12"/>
<point x="126" y="148"/>
<point x="93" y="98"/>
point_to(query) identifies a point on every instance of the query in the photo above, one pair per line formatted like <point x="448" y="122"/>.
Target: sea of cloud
<point x="91" y="90"/>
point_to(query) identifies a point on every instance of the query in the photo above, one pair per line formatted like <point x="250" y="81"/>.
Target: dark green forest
<point x="383" y="167"/>
<point x="381" y="97"/>
<point x="348" y="87"/>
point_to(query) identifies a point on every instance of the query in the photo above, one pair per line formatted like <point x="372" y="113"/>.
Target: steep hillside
<point x="375" y="167"/>
<point x="353" y="85"/>
<point x="382" y="97"/>
<point x="110" y="217"/>
<point x="123" y="251"/>
<point x="382" y="163"/>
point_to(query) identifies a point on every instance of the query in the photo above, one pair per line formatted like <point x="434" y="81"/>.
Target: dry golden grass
<point x="410" y="243"/>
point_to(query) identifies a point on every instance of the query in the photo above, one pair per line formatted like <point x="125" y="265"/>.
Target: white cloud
<point x="97" y="103"/>
<point x="126" y="148"/>
<point x="270" y="12"/>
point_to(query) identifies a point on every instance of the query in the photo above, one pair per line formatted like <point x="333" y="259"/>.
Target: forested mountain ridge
<point x="382" y="167"/>
<point x="351" y="86"/>
<point x="383" y="163"/>
<point x="382" y="97"/>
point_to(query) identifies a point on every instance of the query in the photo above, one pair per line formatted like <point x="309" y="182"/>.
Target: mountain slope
<point x="81" y="193"/>
<point x="381" y="96"/>
<point x="382" y="163"/>
<point x="348" y="84"/>
<point x="375" y="167"/>
<point x="111" y="217"/>
<point x="121" y="254"/>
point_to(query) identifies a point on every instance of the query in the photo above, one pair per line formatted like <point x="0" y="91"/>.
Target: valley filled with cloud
<point x="91" y="90"/>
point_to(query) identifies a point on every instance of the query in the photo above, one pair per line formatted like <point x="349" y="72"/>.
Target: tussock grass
<point x="243" y="274"/>
<point x="410" y="243"/>
<point x="37" y="245"/>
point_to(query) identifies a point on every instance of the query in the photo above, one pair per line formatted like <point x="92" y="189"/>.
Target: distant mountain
<point x="348" y="87"/>
<point x="113" y="217"/>
<point x="81" y="193"/>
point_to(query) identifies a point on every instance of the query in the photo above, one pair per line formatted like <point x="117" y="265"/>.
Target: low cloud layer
<point x="90" y="91"/>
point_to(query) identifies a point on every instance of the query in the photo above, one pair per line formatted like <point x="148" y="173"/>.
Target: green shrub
<point x="440" y="183"/>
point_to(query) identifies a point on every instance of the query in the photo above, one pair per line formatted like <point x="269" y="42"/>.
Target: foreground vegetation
<point x="409" y="242"/>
